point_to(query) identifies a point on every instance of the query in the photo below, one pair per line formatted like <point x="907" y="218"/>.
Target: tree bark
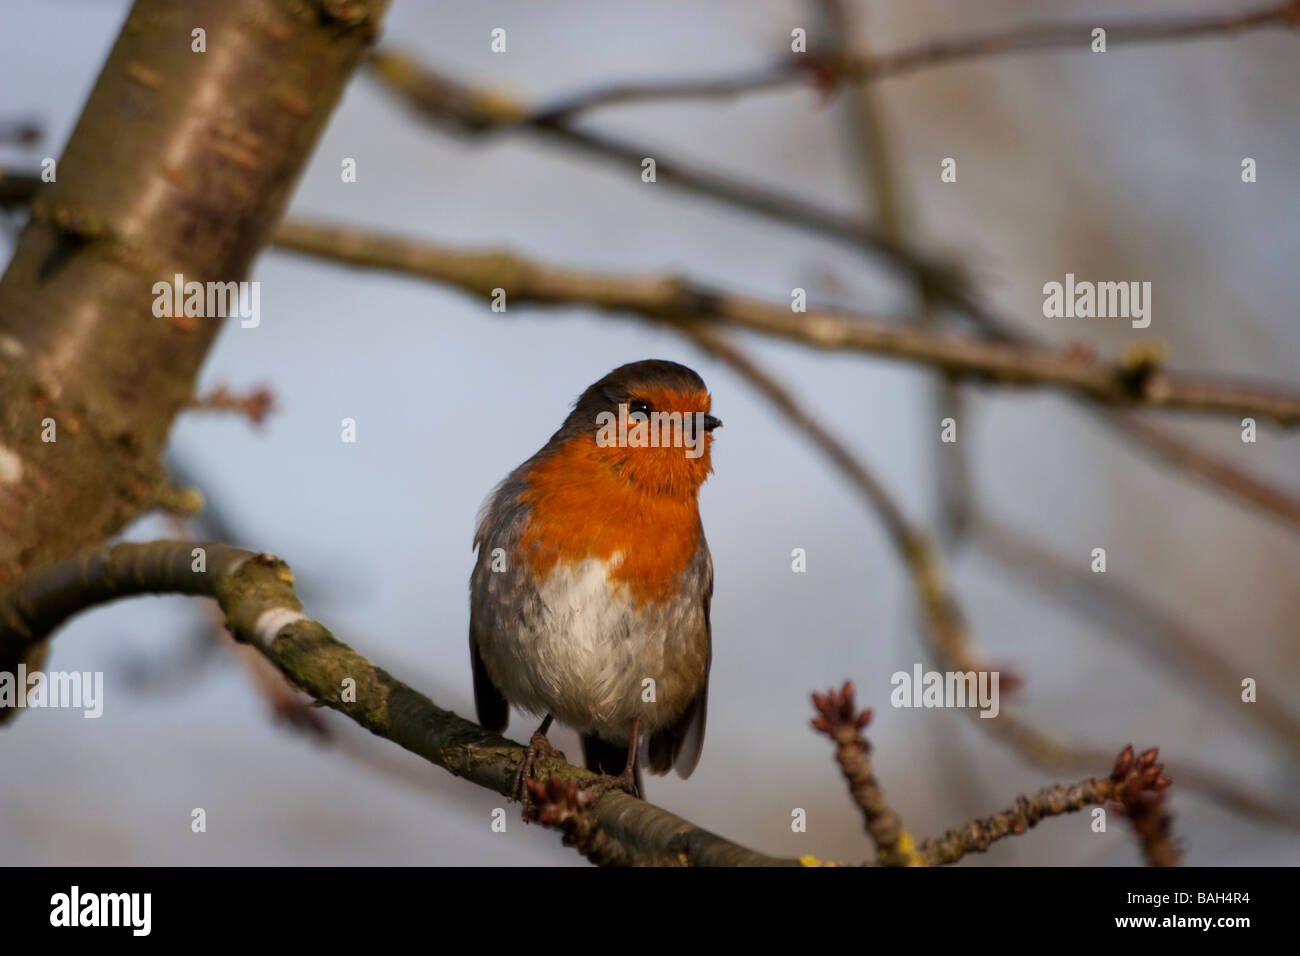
<point x="181" y="162"/>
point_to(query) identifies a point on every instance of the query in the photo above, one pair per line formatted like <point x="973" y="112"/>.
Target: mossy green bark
<point x="618" y="829"/>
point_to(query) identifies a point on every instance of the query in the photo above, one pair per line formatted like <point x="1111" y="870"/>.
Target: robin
<point x="589" y="600"/>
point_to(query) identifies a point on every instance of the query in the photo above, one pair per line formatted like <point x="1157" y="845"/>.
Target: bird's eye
<point x="636" y="405"/>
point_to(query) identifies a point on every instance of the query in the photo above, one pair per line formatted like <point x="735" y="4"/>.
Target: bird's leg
<point x="625" y="781"/>
<point x="538" y="748"/>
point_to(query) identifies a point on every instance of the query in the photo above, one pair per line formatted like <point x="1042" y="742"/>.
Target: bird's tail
<point x="600" y="756"/>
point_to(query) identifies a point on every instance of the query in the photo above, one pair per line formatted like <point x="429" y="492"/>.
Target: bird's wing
<point x="678" y="746"/>
<point x="491" y="705"/>
<point x="493" y="711"/>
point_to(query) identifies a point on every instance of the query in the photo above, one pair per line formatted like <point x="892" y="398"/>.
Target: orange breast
<point x="582" y="507"/>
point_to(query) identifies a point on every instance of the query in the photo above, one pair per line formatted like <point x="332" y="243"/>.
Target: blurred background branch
<point x="837" y="65"/>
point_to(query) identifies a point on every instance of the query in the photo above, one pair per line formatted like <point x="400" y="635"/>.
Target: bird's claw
<point x="539" y="748"/>
<point x="625" y="781"/>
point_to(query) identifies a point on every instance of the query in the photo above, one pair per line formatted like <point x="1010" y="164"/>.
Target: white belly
<point x="587" y="653"/>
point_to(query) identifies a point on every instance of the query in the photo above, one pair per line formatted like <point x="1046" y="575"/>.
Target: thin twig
<point x="1136" y="787"/>
<point x="254" y="405"/>
<point x="1065" y="36"/>
<point x="839" y="719"/>
<point x="453" y="105"/>
<point x="834" y="66"/>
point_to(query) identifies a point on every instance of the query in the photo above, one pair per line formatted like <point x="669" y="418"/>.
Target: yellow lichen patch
<point x="1142" y="353"/>
<point x="907" y="847"/>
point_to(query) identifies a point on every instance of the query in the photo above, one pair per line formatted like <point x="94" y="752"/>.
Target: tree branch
<point x="448" y="103"/>
<point x="474" y="111"/>
<point x="945" y="51"/>
<point x="261" y="609"/>
<point x="255" y="405"/>
<point x="1136" y="785"/>
<point x="1134" y="381"/>
<point x="181" y="162"/>
<point x="839" y="719"/>
<point x="256" y="595"/>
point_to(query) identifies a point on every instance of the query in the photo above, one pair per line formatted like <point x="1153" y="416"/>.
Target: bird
<point x="592" y="582"/>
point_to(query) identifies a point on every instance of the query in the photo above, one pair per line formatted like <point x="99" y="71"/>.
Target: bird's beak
<point x="711" y="423"/>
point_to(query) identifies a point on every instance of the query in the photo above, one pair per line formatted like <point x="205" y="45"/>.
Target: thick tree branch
<point x="181" y="162"/>
<point x="256" y="594"/>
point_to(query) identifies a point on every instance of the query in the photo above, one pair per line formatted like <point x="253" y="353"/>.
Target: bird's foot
<point x="539" y="749"/>
<point x="625" y="781"/>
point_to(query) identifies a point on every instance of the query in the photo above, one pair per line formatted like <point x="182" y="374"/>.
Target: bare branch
<point x="838" y="718"/>
<point x="254" y="405"/>
<point x="830" y="67"/>
<point x="453" y="105"/>
<point x="1135" y="381"/>
<point x="449" y="103"/>
<point x="1064" y="36"/>
<point x="1136" y="786"/>
<point x="257" y="596"/>
<point x="178" y="164"/>
<point x="183" y="501"/>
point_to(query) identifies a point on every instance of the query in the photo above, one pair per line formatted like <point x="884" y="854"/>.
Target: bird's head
<point x="649" y="422"/>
